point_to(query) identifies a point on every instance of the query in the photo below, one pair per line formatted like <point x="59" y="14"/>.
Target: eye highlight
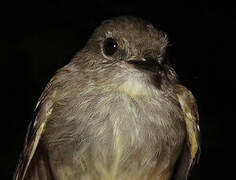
<point x="110" y="46"/>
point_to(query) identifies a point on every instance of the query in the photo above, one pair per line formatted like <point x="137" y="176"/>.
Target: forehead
<point x="128" y="28"/>
<point x="132" y="32"/>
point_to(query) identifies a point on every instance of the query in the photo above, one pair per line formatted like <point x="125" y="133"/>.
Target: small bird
<point x="116" y="112"/>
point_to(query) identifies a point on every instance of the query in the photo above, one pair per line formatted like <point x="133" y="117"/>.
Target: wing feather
<point x="35" y="130"/>
<point x="191" y="150"/>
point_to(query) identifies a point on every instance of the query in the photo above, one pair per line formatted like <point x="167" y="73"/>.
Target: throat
<point x="136" y="87"/>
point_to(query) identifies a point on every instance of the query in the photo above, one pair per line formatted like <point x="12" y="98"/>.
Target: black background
<point x="38" y="37"/>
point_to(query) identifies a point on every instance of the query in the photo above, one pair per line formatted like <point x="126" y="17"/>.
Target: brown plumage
<point x="115" y="112"/>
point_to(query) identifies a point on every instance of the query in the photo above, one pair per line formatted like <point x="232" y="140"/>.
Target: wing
<point x="35" y="130"/>
<point x="191" y="149"/>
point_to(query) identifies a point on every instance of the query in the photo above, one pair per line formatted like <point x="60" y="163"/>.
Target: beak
<point x="136" y="59"/>
<point x="145" y="64"/>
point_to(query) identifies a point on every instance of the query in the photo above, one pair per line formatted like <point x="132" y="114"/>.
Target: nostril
<point x="150" y="59"/>
<point x="153" y="55"/>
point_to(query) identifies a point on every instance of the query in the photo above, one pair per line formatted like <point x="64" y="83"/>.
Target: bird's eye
<point x="110" y="46"/>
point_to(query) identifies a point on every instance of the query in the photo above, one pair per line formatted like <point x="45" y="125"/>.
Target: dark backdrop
<point x="39" y="37"/>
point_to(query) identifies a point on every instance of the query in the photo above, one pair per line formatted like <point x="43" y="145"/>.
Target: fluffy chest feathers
<point x="130" y="129"/>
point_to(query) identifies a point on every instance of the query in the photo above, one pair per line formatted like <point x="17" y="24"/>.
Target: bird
<point x="116" y="111"/>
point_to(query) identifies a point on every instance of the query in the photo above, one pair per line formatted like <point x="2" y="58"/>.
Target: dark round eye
<point x="110" y="46"/>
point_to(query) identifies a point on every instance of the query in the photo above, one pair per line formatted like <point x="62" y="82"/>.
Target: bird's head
<point x="130" y="51"/>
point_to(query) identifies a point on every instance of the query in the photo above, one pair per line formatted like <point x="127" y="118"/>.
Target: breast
<point x="119" y="136"/>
